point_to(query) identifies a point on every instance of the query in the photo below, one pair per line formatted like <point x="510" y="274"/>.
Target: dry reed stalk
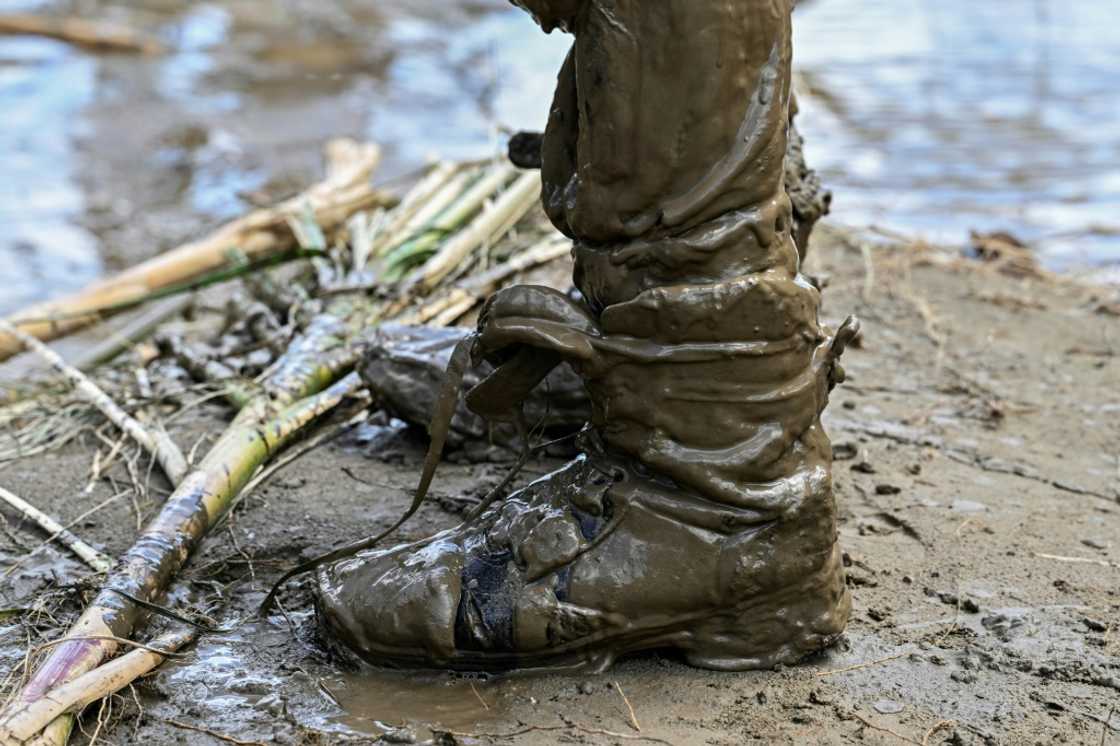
<point x="95" y="559"/>
<point x="97" y="35"/>
<point x="507" y="210"/>
<point x="310" y="379"/>
<point x="260" y="234"/>
<point x="155" y="441"/>
<point x="449" y="307"/>
<point x="417" y="206"/>
<point x="132" y="333"/>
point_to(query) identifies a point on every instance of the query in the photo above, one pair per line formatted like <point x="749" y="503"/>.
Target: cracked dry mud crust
<point x="976" y="444"/>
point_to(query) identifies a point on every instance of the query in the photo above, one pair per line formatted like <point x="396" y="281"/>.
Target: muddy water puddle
<point x="267" y="676"/>
<point x="383" y="702"/>
<point x="959" y="116"/>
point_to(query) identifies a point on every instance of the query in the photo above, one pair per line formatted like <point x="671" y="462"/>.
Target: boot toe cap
<point x="396" y="602"/>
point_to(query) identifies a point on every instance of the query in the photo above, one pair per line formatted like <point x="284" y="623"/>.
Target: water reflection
<point x="943" y="117"/>
<point x="930" y="117"/>
<point x="43" y="88"/>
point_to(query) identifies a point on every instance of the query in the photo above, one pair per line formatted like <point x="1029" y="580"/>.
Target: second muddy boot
<point x="700" y="516"/>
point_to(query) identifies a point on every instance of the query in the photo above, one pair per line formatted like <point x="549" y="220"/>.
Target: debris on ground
<point x="975" y="513"/>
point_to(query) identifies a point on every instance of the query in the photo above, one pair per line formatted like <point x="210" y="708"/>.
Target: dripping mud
<point x="975" y="444"/>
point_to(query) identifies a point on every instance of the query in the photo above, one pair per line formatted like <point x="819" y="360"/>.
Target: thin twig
<point x="109" y="638"/>
<point x="163" y="611"/>
<point x="858" y="666"/>
<point x="1079" y="560"/>
<point x="139" y="712"/>
<point x="936" y="727"/>
<point x="154" y="441"/>
<point x="479" y="697"/>
<point x="95" y="559"/>
<point x="882" y="729"/>
<point x="101" y="718"/>
<point x="626" y="700"/>
<point x="66" y="529"/>
<point x="212" y="733"/>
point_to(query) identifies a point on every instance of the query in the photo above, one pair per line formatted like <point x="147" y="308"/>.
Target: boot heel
<point x="784" y="626"/>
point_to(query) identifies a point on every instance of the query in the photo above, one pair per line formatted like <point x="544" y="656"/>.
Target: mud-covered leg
<point x="700" y="515"/>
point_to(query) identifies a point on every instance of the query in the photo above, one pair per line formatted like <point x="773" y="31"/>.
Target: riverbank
<point x="977" y="477"/>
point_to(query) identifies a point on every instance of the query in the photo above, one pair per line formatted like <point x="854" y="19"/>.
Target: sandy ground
<point x="977" y="474"/>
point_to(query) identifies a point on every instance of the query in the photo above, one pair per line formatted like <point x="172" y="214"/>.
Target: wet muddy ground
<point x="977" y="476"/>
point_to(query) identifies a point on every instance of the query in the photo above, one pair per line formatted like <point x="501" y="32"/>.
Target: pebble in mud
<point x="888" y="707"/>
<point x="1094" y="625"/>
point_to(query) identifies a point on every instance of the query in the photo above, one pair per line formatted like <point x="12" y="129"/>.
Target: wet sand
<point x="977" y="478"/>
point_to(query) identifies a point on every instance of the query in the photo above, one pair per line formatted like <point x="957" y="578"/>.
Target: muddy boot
<point x="699" y="517"/>
<point x="700" y="514"/>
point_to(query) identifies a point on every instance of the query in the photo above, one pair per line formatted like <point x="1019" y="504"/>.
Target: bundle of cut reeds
<point x="417" y="254"/>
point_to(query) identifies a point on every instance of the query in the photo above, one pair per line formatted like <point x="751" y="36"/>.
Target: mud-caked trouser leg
<point x="700" y="515"/>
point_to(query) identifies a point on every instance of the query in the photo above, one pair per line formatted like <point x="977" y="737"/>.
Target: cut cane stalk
<point x="412" y="212"/>
<point x="299" y="390"/>
<point x="258" y="235"/>
<point x="426" y="243"/>
<point x="23" y="725"/>
<point x="449" y="307"/>
<point x="440" y="199"/>
<point x="312" y="378"/>
<point x="96" y="35"/>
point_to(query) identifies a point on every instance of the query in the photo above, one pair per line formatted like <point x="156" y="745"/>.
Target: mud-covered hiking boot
<point x="593" y="562"/>
<point x="699" y="517"/>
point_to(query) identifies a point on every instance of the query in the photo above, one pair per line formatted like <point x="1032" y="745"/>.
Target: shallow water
<point x="930" y="118"/>
<point x="950" y="116"/>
